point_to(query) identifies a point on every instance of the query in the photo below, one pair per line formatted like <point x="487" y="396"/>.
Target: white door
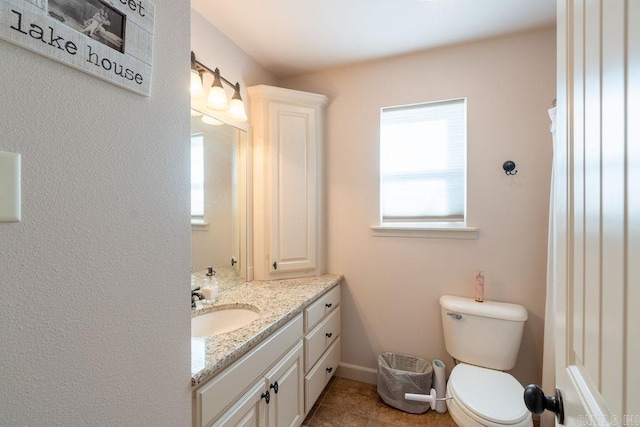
<point x="597" y="213"/>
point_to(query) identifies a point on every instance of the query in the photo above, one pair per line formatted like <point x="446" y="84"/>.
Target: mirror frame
<point x="245" y="191"/>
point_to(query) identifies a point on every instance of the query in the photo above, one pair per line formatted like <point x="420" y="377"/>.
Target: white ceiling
<point x="290" y="37"/>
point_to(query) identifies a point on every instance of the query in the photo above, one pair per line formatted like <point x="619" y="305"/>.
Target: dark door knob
<point x="537" y="402"/>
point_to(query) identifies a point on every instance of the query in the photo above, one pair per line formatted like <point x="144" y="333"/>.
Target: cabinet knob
<point x="328" y="334"/>
<point x="274" y="386"/>
<point x="330" y="369"/>
<point x="328" y="305"/>
<point x="275" y="265"/>
<point x="266" y="396"/>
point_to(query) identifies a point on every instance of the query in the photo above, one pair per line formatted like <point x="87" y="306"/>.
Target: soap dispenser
<point x="210" y="290"/>
<point x="480" y="286"/>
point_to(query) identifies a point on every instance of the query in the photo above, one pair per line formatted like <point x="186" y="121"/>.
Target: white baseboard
<point x="357" y="373"/>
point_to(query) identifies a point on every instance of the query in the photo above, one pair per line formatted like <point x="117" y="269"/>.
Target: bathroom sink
<point x="222" y="321"/>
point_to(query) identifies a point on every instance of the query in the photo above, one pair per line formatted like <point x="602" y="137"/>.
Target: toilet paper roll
<point x="440" y="384"/>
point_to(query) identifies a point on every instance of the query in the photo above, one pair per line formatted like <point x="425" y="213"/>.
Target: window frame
<point x="431" y="228"/>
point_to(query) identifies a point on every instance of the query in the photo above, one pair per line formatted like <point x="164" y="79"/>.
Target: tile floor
<point x="347" y="403"/>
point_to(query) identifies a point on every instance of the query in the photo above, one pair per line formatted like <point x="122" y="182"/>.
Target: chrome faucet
<point x="196" y="295"/>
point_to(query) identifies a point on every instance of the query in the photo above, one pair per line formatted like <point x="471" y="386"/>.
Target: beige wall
<point x="214" y="49"/>
<point x="94" y="310"/>
<point x="393" y="284"/>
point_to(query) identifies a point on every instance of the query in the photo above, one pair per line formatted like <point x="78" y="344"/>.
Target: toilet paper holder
<point x="429" y="398"/>
<point x="436" y="403"/>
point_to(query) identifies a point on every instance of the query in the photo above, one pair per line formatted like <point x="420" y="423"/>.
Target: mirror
<point x="219" y="198"/>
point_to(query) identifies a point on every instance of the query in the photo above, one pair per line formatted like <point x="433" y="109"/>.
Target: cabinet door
<point x="285" y="383"/>
<point x="248" y="411"/>
<point x="293" y="136"/>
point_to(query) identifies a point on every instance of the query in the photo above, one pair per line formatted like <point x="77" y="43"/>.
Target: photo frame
<point x="109" y="39"/>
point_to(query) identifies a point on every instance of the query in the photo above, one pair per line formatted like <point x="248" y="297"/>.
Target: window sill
<point x="434" y="231"/>
<point x="199" y="225"/>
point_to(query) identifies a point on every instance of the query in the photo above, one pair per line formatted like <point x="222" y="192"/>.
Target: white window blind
<point x="423" y="162"/>
<point x="197" y="176"/>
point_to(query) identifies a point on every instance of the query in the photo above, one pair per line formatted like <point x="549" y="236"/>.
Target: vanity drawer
<point x="319" y="309"/>
<point x="225" y="388"/>
<point x="317" y="379"/>
<point x="317" y="341"/>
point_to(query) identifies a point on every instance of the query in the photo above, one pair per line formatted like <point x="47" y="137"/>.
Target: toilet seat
<point x="490" y="397"/>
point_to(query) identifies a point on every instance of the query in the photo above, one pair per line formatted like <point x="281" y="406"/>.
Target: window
<point x="197" y="178"/>
<point x="423" y="163"/>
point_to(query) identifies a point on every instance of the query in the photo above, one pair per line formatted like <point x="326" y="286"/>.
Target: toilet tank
<point x="486" y="334"/>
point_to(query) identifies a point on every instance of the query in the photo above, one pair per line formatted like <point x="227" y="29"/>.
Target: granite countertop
<point x="278" y="301"/>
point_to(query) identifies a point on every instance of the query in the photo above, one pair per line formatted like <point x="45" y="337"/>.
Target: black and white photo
<point x="94" y="18"/>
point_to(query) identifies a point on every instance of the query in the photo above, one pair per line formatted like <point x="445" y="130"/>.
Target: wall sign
<point x="110" y="39"/>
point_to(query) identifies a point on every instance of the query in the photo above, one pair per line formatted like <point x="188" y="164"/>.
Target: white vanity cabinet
<point x="249" y="410"/>
<point x="238" y="395"/>
<point x="287" y="133"/>
<point x="282" y="387"/>
<point x="286" y="386"/>
<point x="276" y="383"/>
<point x="321" y="344"/>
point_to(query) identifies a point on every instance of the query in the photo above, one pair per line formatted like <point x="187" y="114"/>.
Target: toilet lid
<point x="492" y="395"/>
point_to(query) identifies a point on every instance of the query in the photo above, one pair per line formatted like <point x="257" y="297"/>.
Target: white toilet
<point x="484" y="338"/>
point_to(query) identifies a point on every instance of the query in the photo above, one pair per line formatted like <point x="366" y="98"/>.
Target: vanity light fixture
<point x="217" y="97"/>
<point x="196" y="78"/>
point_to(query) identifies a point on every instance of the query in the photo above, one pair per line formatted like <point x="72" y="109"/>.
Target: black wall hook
<point x="509" y="167"/>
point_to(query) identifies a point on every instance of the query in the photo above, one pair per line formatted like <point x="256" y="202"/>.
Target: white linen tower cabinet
<point x="287" y="133"/>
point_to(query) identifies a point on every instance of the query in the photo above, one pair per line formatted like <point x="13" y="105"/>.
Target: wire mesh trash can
<point x="399" y="374"/>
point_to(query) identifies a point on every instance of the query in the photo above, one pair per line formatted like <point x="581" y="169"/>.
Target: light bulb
<point x="236" y="110"/>
<point x="217" y="96"/>
<point x="196" y="83"/>
<point x="236" y="106"/>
